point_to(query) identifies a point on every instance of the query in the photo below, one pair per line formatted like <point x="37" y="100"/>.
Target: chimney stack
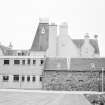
<point x="63" y="29"/>
<point x="43" y="20"/>
<point x="95" y="36"/>
<point x="51" y="52"/>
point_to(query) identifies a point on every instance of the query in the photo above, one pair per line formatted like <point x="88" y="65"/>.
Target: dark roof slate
<point x="55" y="64"/>
<point x="40" y="42"/>
<point x="84" y="64"/>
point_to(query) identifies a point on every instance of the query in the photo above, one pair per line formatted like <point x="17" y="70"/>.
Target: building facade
<point x="53" y="62"/>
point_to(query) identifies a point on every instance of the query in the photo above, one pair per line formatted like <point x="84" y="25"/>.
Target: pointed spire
<point x="10" y="45"/>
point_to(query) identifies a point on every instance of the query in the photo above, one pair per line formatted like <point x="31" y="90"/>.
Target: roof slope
<point x="40" y="42"/>
<point x="93" y="42"/>
<point x="84" y="64"/>
<point x="4" y="49"/>
<point x="55" y="64"/>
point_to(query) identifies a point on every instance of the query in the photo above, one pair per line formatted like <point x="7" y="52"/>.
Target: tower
<point x="40" y="42"/>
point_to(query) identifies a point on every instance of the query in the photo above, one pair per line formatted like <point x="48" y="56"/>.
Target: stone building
<point x="53" y="62"/>
<point x="79" y="74"/>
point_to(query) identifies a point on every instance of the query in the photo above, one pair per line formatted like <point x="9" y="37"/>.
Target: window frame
<point x="15" y="63"/>
<point x="5" y="63"/>
<point x="5" y="79"/>
<point x="16" y="78"/>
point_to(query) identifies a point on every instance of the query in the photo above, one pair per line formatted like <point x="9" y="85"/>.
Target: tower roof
<point x="40" y="42"/>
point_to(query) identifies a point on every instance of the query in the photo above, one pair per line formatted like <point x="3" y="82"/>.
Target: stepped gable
<point x="40" y="42"/>
<point x="87" y="64"/>
<point x="55" y="64"/>
<point x="93" y="42"/>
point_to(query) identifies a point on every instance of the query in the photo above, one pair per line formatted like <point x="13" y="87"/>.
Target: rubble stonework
<point x="73" y="81"/>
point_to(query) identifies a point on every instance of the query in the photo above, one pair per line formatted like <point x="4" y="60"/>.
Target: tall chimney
<point x="51" y="52"/>
<point x="63" y="29"/>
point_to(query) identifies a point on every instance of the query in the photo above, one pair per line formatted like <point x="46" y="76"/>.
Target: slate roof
<point x="84" y="64"/>
<point x="10" y="52"/>
<point x="4" y="49"/>
<point x="93" y="42"/>
<point x="76" y="64"/>
<point x="40" y="42"/>
<point x="55" y="64"/>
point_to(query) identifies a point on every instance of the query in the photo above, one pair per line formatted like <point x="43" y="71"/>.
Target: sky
<point x="19" y="19"/>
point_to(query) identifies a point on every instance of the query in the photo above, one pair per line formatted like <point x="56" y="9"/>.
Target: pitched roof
<point x="93" y="42"/>
<point x="76" y="64"/>
<point x="84" y="64"/>
<point x="4" y="49"/>
<point x="55" y="64"/>
<point x="40" y="42"/>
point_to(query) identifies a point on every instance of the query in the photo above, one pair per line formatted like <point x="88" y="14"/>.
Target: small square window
<point x="40" y="78"/>
<point x="16" y="78"/>
<point x="16" y="61"/>
<point x="5" y="78"/>
<point x="28" y="61"/>
<point x="28" y="78"/>
<point x="34" y="61"/>
<point x="23" y="62"/>
<point x="41" y="62"/>
<point x="6" y="62"/>
<point x="23" y="78"/>
<point x="33" y="78"/>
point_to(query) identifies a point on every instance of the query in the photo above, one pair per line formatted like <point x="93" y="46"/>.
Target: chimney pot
<point x="95" y="36"/>
<point x="87" y="35"/>
<point x="43" y="20"/>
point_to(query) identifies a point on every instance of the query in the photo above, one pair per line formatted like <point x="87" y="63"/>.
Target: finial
<point x="10" y="45"/>
<point x="87" y="35"/>
<point x="95" y="36"/>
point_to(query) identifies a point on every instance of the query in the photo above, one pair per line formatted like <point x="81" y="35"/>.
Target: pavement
<point x="25" y="97"/>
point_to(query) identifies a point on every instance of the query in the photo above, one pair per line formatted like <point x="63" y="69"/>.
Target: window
<point x="6" y="62"/>
<point x="23" y="78"/>
<point x="23" y="62"/>
<point x="80" y="80"/>
<point x="28" y="61"/>
<point x="16" y="61"/>
<point x="16" y="78"/>
<point x="33" y="78"/>
<point x="19" y="54"/>
<point x="28" y="78"/>
<point x="41" y="62"/>
<point x="40" y="78"/>
<point x="23" y="53"/>
<point x="5" y="78"/>
<point x="34" y="61"/>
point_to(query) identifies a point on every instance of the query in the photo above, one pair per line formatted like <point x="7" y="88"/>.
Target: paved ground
<point x="41" y="98"/>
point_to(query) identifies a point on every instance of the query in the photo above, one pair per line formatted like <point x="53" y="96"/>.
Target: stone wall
<point x="72" y="81"/>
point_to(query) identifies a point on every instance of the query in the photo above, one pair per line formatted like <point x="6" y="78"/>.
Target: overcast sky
<point x="19" y="19"/>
